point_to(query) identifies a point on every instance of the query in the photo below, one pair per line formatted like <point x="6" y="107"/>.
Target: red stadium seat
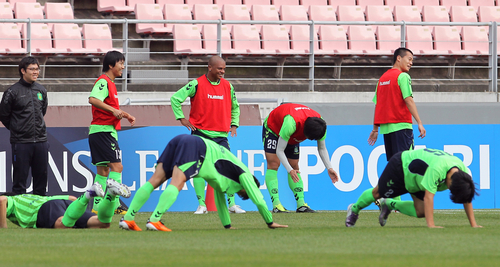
<point x="435" y="14"/>
<point x="279" y="3"/>
<point x="364" y="3"/>
<point x="40" y="40"/>
<point x="114" y="6"/>
<point x="477" y="3"/>
<point x="362" y="38"/>
<point x="58" y="11"/>
<point x="388" y="38"/>
<point x="419" y="40"/>
<point x="292" y="13"/>
<point x="10" y="40"/>
<point x="250" y="3"/>
<point x="275" y="37"/>
<point x="187" y="40"/>
<point x="206" y="12"/>
<point x="221" y="3"/>
<point x="393" y="3"/>
<point x="300" y="36"/>
<point x="378" y="13"/>
<point x="235" y="12"/>
<point x="170" y="2"/>
<point x="6" y="11"/>
<point x="14" y="2"/>
<point x="333" y="41"/>
<point x="97" y="38"/>
<point x="67" y="36"/>
<point x="247" y="37"/>
<point x="308" y="3"/>
<point x="264" y="12"/>
<point x="463" y="14"/>
<point x="407" y="13"/>
<point x="176" y="12"/>
<point x="152" y="12"/>
<point x="350" y="13"/>
<point x="28" y="10"/>
<point x="191" y="3"/>
<point x="449" y="3"/>
<point x="475" y="38"/>
<point x="447" y="38"/>
<point x="421" y="3"/>
<point x="336" y="3"/>
<point x="321" y="13"/>
<point x="209" y="34"/>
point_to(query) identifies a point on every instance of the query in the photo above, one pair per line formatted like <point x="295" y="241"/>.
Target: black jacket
<point x="21" y="111"/>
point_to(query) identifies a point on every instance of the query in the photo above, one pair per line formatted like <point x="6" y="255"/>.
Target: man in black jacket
<point x="22" y="110"/>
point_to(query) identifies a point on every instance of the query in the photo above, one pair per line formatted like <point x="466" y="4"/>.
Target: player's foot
<point x="280" y="209"/>
<point x="121" y="210"/>
<point x="384" y="212"/>
<point x="305" y="208"/>
<point x="117" y="189"/>
<point x="351" y="217"/>
<point x="94" y="191"/>
<point x="236" y="209"/>
<point x="157" y="226"/>
<point x="128" y="225"/>
<point x="201" y="210"/>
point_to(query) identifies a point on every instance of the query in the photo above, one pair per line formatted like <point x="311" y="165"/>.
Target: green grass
<point x="319" y="239"/>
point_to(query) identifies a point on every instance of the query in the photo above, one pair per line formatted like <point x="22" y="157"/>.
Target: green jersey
<point x="426" y="169"/>
<point x="226" y="174"/>
<point x="189" y="90"/>
<point x="101" y="95"/>
<point x="23" y="209"/>
<point x="404" y="82"/>
<point x="288" y="128"/>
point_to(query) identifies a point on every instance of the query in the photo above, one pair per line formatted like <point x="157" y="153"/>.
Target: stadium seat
<point x="388" y="38"/>
<point x="275" y="37"/>
<point x="187" y="40"/>
<point x="133" y="3"/>
<point x="176" y="12"/>
<point x="264" y="12"/>
<point x="364" y="3"/>
<point x="209" y="34"/>
<point x="152" y="12"/>
<point x="28" y="10"/>
<point x="447" y="38"/>
<point x="350" y="13"/>
<point x="40" y="40"/>
<point x="292" y="13"/>
<point x="114" y="7"/>
<point x="463" y="14"/>
<point x="6" y="11"/>
<point x="67" y="36"/>
<point x="206" y="12"/>
<point x="300" y="37"/>
<point x="475" y="38"/>
<point x="477" y="3"/>
<point x="308" y="3"/>
<point x="378" y="13"/>
<point x="333" y="41"/>
<point x="191" y="3"/>
<point x="10" y="40"/>
<point x="361" y="37"/>
<point x="419" y="40"/>
<point x="235" y="12"/>
<point x="336" y="3"/>
<point x="221" y="3"/>
<point x="407" y="13"/>
<point x="435" y="14"/>
<point x="250" y="3"/>
<point x="449" y="3"/>
<point x="170" y="2"/>
<point x="14" y="2"/>
<point x="393" y="3"/>
<point x="247" y="37"/>
<point x="279" y="3"/>
<point x="321" y="13"/>
<point x="488" y="13"/>
<point x="97" y="38"/>
<point x="58" y="11"/>
<point x="421" y="3"/>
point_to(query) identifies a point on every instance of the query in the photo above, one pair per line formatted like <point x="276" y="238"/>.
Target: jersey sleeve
<point x="235" y="109"/>
<point x="248" y="183"/>
<point x="404" y="82"/>
<point x="100" y="90"/>
<point x="432" y="179"/>
<point x="374" y="100"/>
<point x="220" y="203"/>
<point x="288" y="128"/>
<point x="189" y="90"/>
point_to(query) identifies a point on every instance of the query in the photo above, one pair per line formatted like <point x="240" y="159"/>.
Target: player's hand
<point x="333" y="175"/>
<point x="131" y="119"/>
<point x="118" y="114"/>
<point x="373" y="137"/>
<point x="421" y="129"/>
<point x="233" y="131"/>
<point x="187" y="124"/>
<point x="294" y="174"/>
<point x="275" y="225"/>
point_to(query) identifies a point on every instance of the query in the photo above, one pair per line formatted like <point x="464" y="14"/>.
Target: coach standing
<point x="22" y="110"/>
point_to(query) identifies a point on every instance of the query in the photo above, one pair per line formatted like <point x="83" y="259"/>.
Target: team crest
<point x="39" y="95"/>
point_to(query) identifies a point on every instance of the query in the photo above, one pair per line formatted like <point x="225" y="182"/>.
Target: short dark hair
<point x="9" y="194"/>
<point x="400" y="52"/>
<point x="25" y="62"/>
<point x="111" y="58"/>
<point x="314" y="128"/>
<point x="462" y="189"/>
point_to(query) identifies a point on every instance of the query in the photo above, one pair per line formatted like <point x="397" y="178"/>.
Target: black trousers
<point x="24" y="157"/>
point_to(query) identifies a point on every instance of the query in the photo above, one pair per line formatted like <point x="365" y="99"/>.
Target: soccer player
<point x="284" y="129"/>
<point x="191" y="156"/>
<point x="214" y="112"/>
<point x="33" y="211"/>
<point x="421" y="173"/>
<point x="106" y="117"/>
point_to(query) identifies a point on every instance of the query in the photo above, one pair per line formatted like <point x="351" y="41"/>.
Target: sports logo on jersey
<point x="113" y="146"/>
<point x="39" y="95"/>
<point x="298" y="189"/>
<point x="385" y="83"/>
<point x="274" y="191"/>
<point x="390" y="183"/>
<point x="219" y="97"/>
<point x="101" y="86"/>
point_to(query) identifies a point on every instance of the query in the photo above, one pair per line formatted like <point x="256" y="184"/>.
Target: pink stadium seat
<point x="247" y="37"/>
<point x="10" y="39"/>
<point x="421" y="3"/>
<point x="449" y="3"/>
<point x="321" y="13"/>
<point x="41" y="39"/>
<point x="28" y="10"/>
<point x="336" y="3"/>
<point x="364" y="3"/>
<point x="292" y="13"/>
<point x="378" y="13"/>
<point x="209" y="34"/>
<point x="97" y="38"/>
<point x="333" y="41"/>
<point x="393" y="3"/>
<point x="13" y="2"/>
<point x="170" y="2"/>
<point x="300" y="37"/>
<point x="388" y="38"/>
<point x="361" y="37"/>
<point x="307" y="3"/>
<point x="419" y="40"/>
<point x="264" y="12"/>
<point x="463" y="14"/>
<point x="58" y="11"/>
<point x="250" y="3"/>
<point x="407" y="13"/>
<point x="6" y="11"/>
<point x="477" y="3"/>
<point x="133" y="3"/>
<point x="279" y="3"/>
<point x="187" y="40"/>
<point x="191" y="3"/>
<point x="276" y="37"/>
<point x="235" y="12"/>
<point x="176" y="12"/>
<point x="447" y="38"/>
<point x="350" y="13"/>
<point x="152" y="12"/>
<point x="68" y="37"/>
<point x="113" y="6"/>
<point x="488" y="13"/>
<point x="475" y="38"/>
<point x="206" y="12"/>
<point x="221" y="3"/>
<point x="435" y="14"/>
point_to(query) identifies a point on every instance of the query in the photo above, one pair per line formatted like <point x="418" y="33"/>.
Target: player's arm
<point x="287" y="130"/>
<point x="325" y="157"/>
<point x="429" y="209"/>
<point x="220" y="203"/>
<point x="3" y="211"/>
<point x="372" y="138"/>
<point x="130" y="118"/>
<point x="404" y="82"/>
<point x="235" y="112"/>
<point x="189" y="90"/>
<point x="470" y="215"/>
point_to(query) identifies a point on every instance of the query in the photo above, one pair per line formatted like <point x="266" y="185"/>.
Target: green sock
<point x="405" y="207"/>
<point x="102" y="181"/>
<point x="364" y="201"/>
<point x="230" y="200"/>
<point x="75" y="210"/>
<point x="199" y="189"/>
<point x="167" y="198"/>
<point x="272" y="186"/>
<point x="297" y="189"/>
<point x="141" y="196"/>
<point x="107" y="208"/>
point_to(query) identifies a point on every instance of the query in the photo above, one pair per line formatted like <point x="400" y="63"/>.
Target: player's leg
<point x="21" y="161"/>
<point x="100" y="178"/>
<point x="298" y="188"/>
<point x="199" y="189"/>
<point x="271" y="178"/>
<point x="78" y="207"/>
<point x="39" y="163"/>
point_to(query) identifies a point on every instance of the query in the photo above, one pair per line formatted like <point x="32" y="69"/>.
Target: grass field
<point x="319" y="239"/>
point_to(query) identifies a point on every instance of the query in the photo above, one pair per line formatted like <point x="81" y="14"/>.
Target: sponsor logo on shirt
<point x="385" y="83"/>
<point x="221" y="97"/>
<point x="299" y="108"/>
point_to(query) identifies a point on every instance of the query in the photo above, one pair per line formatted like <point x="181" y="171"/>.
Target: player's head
<point x="314" y="128"/>
<point x="403" y="59"/>
<point x="29" y="68"/>
<point x="243" y="193"/>
<point x="462" y="188"/>
<point x="402" y="51"/>
<point x="110" y="60"/>
<point x="216" y="68"/>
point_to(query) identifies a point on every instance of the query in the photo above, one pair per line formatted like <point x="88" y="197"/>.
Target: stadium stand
<point x="209" y="38"/>
<point x="449" y="3"/>
<point x="419" y="40"/>
<point x="388" y="38"/>
<point x="235" y="12"/>
<point x="221" y="3"/>
<point x="176" y="12"/>
<point x="393" y="3"/>
<point x="187" y="40"/>
<point x="28" y="10"/>
<point x="336" y="3"/>
<point x="113" y="7"/>
<point x="5" y="11"/>
<point x="333" y="38"/>
<point x="264" y="12"/>
<point x="350" y="13"/>
<point x="58" y="11"/>
<point x="279" y="3"/>
<point x="378" y="13"/>
<point x="488" y="13"/>
<point x="10" y="37"/>
<point x="275" y="37"/>
<point x="421" y="3"/>
<point x="463" y="14"/>
<point x="308" y="3"/>
<point x="435" y="14"/>
<point x="247" y="37"/>
<point x="67" y="36"/>
<point x="292" y="13"/>
<point x="133" y="3"/>
<point x="362" y="38"/>
<point x="477" y="3"/>
<point x="321" y="13"/>
<point x="250" y="3"/>
<point x="407" y="13"/>
<point x="206" y="12"/>
<point x="14" y="2"/>
<point x="191" y="3"/>
<point x="41" y="40"/>
<point x="475" y="38"/>
<point x="300" y="36"/>
<point x="447" y="38"/>
<point x="97" y="38"/>
<point x="151" y="12"/>
<point x="364" y="3"/>
<point x="170" y="2"/>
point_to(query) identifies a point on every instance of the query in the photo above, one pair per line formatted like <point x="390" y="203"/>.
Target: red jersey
<point x="299" y="113"/>
<point x="101" y="117"/>
<point x="390" y="107"/>
<point x="212" y="99"/>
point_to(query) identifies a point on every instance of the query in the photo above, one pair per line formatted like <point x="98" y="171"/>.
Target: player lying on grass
<point x="191" y="156"/>
<point x="421" y="173"/>
<point x="34" y="211"/>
